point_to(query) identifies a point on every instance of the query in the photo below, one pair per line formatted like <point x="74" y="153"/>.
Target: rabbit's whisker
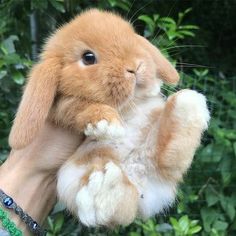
<point x="137" y="11"/>
<point x="130" y="8"/>
<point x="170" y="11"/>
<point x="183" y="46"/>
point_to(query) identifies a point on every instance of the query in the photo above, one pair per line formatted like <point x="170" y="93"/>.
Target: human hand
<point x="29" y="174"/>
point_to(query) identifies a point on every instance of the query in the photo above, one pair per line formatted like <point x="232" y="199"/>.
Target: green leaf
<point x="168" y="20"/>
<point x="208" y="215"/>
<point x="187" y="10"/>
<point x="195" y="230"/>
<point x="225" y="168"/>
<point x="184" y="223"/>
<point x="124" y="4"/>
<point x="173" y="34"/>
<point x="188" y="27"/>
<point x="149" y="22"/>
<point x="193" y="223"/>
<point x="8" y="44"/>
<point x="18" y="78"/>
<point x="230" y="134"/>
<point x="156" y="17"/>
<point x="39" y="4"/>
<point x="181" y="207"/>
<point x="3" y="73"/>
<point x="58" y="5"/>
<point x="59" y="221"/>
<point x="227" y="204"/>
<point x="181" y="15"/>
<point x="144" y="226"/>
<point x="49" y="234"/>
<point x="211" y="153"/>
<point x="151" y="225"/>
<point x="186" y="32"/>
<point x="50" y="223"/>
<point x="173" y="221"/>
<point x="134" y="234"/>
<point x="11" y="59"/>
<point x="164" y="227"/>
<point x="204" y="72"/>
<point x="206" y="153"/>
<point x="175" y="224"/>
<point x="211" y="196"/>
<point x="59" y="207"/>
<point x="220" y="225"/>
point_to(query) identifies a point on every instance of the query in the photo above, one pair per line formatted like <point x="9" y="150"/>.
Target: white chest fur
<point x="135" y="152"/>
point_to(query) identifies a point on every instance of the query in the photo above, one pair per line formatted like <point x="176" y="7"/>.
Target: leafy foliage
<point x="207" y="199"/>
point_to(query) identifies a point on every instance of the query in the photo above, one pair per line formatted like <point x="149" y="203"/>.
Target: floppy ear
<point x="165" y="70"/>
<point x="36" y="102"/>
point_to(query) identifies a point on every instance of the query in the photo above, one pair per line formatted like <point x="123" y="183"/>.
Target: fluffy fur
<point x="136" y="146"/>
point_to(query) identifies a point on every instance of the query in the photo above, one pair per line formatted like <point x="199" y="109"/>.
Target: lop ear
<point x="36" y="102"/>
<point x="165" y="70"/>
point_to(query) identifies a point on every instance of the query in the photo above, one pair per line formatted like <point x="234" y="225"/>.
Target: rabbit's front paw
<point x="191" y="107"/>
<point x="108" y="198"/>
<point x="104" y="130"/>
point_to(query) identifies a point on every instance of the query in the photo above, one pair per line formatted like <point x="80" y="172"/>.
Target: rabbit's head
<point x="96" y="57"/>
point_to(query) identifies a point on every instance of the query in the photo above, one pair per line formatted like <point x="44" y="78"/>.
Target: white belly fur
<point x="155" y="193"/>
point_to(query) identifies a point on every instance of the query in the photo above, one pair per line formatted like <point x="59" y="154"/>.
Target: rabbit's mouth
<point x="151" y="88"/>
<point x="121" y="93"/>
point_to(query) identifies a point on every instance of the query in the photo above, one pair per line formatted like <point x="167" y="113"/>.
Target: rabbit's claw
<point x="104" y="130"/>
<point x="97" y="201"/>
<point x="191" y="107"/>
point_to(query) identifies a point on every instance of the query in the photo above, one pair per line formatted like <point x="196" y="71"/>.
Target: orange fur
<point x="36" y="102"/>
<point x="176" y="144"/>
<point x="96" y="112"/>
<point x="164" y="69"/>
<point x="97" y="157"/>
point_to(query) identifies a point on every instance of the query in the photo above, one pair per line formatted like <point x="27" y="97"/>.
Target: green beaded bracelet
<point x="8" y="224"/>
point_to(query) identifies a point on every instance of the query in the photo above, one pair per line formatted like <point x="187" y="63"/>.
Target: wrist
<point x="34" y="192"/>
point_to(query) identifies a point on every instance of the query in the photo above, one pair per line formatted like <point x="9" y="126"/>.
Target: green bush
<point x="207" y="198"/>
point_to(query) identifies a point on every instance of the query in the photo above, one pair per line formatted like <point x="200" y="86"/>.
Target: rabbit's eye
<point x="89" y="58"/>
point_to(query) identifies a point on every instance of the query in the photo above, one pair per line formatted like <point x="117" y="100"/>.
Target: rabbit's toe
<point x="86" y="210"/>
<point x="191" y="107"/>
<point x="104" y="129"/>
<point x="117" y="201"/>
<point x="85" y="199"/>
<point x="103" y="200"/>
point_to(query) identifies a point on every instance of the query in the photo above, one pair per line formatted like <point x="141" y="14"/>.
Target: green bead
<point x="11" y="227"/>
<point x="5" y="222"/>
<point x="11" y="230"/>
<point x="18" y="233"/>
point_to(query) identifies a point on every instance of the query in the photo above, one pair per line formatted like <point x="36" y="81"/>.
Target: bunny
<point x="100" y="79"/>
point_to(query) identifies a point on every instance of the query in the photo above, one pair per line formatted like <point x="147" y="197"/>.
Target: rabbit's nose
<point x="133" y="68"/>
<point x="132" y="71"/>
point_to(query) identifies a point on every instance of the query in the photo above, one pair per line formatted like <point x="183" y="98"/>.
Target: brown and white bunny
<point x="99" y="78"/>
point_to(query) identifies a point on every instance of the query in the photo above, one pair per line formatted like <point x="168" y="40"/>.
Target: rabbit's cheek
<point x="145" y="72"/>
<point x="121" y="91"/>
